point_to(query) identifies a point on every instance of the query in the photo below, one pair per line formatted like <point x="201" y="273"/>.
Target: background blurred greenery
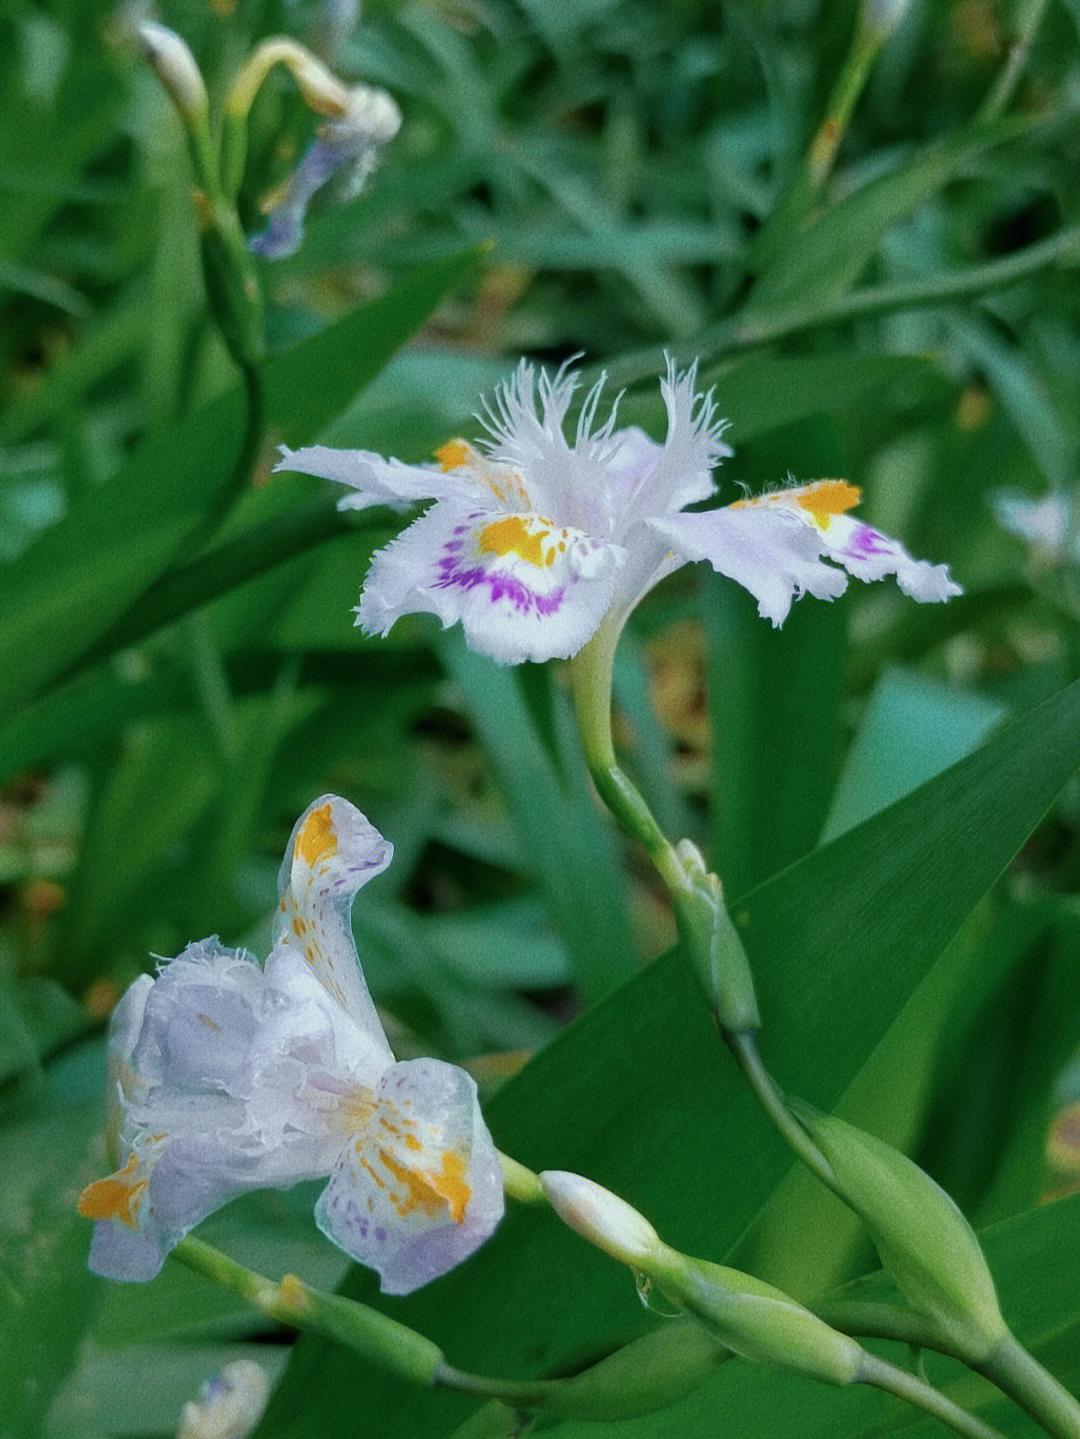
<point x="174" y="691"/>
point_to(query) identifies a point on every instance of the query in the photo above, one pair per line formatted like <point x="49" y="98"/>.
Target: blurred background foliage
<point x="610" y="178"/>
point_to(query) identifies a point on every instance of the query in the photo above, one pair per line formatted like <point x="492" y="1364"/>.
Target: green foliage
<point x="887" y="791"/>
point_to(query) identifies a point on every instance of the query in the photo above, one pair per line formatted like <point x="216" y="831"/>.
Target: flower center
<point x="531" y="537"/>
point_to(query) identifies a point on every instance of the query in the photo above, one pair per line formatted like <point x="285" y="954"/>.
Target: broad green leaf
<point x="1040" y="1300"/>
<point x="913" y="728"/>
<point x="830" y="254"/>
<point x="638" y="1093"/>
<point x="68" y="589"/>
<point x="774" y="695"/>
<point x="47" y="1296"/>
<point x="564" y="835"/>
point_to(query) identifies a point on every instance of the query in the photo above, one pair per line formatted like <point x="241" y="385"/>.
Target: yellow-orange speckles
<point x="210" y="1023"/>
<point x="299" y="927"/>
<point x="116" y="1197"/>
<point x="827" y="498"/>
<point x="429" y="1191"/>
<point x="317" y="839"/>
<point x="410" y="1141"/>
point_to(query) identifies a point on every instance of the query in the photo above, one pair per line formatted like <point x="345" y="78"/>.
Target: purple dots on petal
<point x="380" y="1234"/>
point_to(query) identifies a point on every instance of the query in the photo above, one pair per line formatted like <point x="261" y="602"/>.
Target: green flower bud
<point x="716" y="950"/>
<point x="923" y="1240"/>
<point x="647" y="1374"/>
<point x="757" y="1321"/>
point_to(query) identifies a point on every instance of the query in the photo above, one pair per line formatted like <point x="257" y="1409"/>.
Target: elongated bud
<point x="601" y="1217"/>
<point x="176" y="68"/>
<point x="645" y="1375"/>
<point x="759" y="1322"/>
<point x="923" y="1240"/>
<point x="746" y="1316"/>
<point x="718" y="956"/>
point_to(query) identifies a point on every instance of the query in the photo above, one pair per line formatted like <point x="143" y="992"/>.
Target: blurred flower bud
<point x="923" y="1240"/>
<point x="176" y="68"/>
<point x="229" y="1406"/>
<point x="347" y="147"/>
<point x="881" y="18"/>
<point x="601" y="1217"/>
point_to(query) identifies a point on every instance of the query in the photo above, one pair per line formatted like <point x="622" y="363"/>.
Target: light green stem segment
<point x="376" y="1336"/>
<point x="709" y="938"/>
<point x="913" y="1390"/>
<point x="1020" y="1376"/>
<point x="744" y="1048"/>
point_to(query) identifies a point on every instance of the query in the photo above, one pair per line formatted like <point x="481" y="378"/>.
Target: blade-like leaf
<point x="639" y="1095"/>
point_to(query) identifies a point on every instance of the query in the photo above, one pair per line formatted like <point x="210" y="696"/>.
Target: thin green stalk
<point x="366" y="1331"/>
<point x="1027" y="22"/>
<point x="1020" y="1376"/>
<point x="744" y="1047"/>
<point x="738" y="336"/>
<point x="881" y="1375"/>
<point x="868" y="1320"/>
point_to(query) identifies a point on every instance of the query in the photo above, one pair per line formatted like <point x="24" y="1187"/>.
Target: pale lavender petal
<point x="420" y="1187"/>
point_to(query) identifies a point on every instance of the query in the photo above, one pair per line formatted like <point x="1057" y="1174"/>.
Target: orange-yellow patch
<point x="454" y="455"/>
<point x="515" y="536"/>
<point x="116" y="1197"/>
<point x="429" y="1191"/>
<point x="827" y="498"/>
<point x="317" y="839"/>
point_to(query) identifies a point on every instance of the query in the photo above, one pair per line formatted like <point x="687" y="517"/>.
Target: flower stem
<point x="364" y="1330"/>
<point x="882" y="1375"/>
<point x="1020" y="1376"/>
<point x="744" y="1047"/>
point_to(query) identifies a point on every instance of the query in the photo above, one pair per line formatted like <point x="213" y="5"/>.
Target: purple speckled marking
<point x="380" y="1234"/>
<point x="866" y="542"/>
<point x="500" y="586"/>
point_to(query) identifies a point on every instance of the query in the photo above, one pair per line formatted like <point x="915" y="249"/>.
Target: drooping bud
<point x="347" y="150"/>
<point x="923" y="1239"/>
<point x="176" y="68"/>
<point x="601" y="1217"/>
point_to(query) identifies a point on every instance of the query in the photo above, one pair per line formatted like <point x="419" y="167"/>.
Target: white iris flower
<point x="226" y="1077"/>
<point x="533" y="540"/>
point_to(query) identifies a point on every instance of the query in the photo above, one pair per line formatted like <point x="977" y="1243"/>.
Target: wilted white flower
<point x="227" y="1077"/>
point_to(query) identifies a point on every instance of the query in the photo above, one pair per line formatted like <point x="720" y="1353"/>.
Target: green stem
<point x="1027" y="22"/>
<point x="1020" y="1376"/>
<point x="737" y="336"/>
<point x="744" y="1047"/>
<point x="885" y="1321"/>
<point x="366" y="1331"/>
<point x="881" y="1375"/>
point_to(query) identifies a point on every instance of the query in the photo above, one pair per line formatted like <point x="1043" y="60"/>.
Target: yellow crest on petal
<point x="116" y="1197"/>
<point x="317" y="839"/>
<point x="826" y="498"/>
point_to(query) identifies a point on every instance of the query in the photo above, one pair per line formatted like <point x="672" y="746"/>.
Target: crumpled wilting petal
<point x="535" y="540"/>
<point x="348" y="148"/>
<point x="226" y="1077"/>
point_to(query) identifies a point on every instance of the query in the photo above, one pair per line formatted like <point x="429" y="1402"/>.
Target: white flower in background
<point x="226" y="1078"/>
<point x="348" y="147"/>
<point x="533" y="540"/>
<point x="1050" y="525"/>
<point x="229" y="1405"/>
